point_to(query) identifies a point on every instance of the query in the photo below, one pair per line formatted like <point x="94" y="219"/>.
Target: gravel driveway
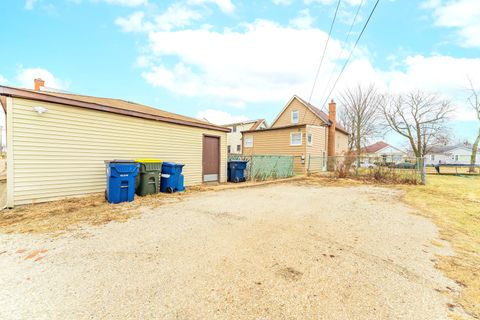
<point x="283" y="251"/>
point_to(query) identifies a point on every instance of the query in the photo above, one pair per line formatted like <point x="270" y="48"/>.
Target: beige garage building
<point x="57" y="143"/>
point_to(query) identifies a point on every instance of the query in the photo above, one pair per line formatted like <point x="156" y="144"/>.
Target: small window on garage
<point x="296" y="139"/>
<point x="295" y="116"/>
<point x="310" y="139"/>
<point x="249" y="142"/>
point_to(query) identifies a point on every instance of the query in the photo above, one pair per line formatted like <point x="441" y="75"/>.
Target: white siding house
<point x="234" y="138"/>
<point x="385" y="151"/>
<point x="457" y="154"/>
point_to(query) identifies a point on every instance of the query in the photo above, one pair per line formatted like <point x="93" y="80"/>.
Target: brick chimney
<point x="38" y="84"/>
<point x="332" y="116"/>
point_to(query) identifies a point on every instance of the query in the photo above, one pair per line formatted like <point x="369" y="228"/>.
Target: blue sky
<point x="228" y="60"/>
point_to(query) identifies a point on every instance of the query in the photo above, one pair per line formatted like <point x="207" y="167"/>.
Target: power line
<point x="351" y="53"/>
<point x="345" y="41"/>
<point x="324" y="50"/>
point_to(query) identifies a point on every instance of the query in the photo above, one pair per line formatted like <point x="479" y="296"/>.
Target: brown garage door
<point x="211" y="158"/>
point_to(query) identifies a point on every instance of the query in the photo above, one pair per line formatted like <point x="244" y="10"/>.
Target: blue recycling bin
<point x="236" y="170"/>
<point x="172" y="179"/>
<point x="121" y="178"/>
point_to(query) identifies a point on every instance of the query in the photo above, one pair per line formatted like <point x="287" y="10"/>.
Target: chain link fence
<point x="266" y="167"/>
<point x="386" y="169"/>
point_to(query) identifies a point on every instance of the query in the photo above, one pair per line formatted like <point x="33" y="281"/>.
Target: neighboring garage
<point x="57" y="142"/>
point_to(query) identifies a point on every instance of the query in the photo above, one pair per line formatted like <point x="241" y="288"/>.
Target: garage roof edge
<point x="45" y="97"/>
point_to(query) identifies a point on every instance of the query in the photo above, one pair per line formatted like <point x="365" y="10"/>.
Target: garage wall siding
<point x="61" y="153"/>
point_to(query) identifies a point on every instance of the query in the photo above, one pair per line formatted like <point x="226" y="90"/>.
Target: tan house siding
<point x="61" y="153"/>
<point x="305" y="115"/>
<point x="277" y="142"/>
<point x="341" y="141"/>
<point x="319" y="140"/>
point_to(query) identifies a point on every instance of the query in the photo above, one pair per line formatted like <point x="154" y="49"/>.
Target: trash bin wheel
<point x="106" y="198"/>
<point x="236" y="180"/>
<point x="169" y="190"/>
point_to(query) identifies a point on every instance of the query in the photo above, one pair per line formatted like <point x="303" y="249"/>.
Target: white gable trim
<point x="390" y="146"/>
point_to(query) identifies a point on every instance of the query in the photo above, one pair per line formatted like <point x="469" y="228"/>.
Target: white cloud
<point x="26" y="76"/>
<point x="225" y="5"/>
<point x="303" y="21"/>
<point x="127" y="3"/>
<point x="2" y="79"/>
<point x="464" y="15"/>
<point x="282" y="2"/>
<point x="443" y="74"/>
<point x="176" y="16"/>
<point x="263" y="62"/>
<point x="220" y="117"/>
<point x="133" y="23"/>
<point x="29" y="4"/>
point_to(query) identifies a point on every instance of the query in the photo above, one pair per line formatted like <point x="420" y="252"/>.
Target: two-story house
<point x="234" y="137"/>
<point x="301" y="130"/>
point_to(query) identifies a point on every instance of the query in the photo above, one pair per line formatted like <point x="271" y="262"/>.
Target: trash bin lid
<point x="172" y="164"/>
<point x="118" y="161"/>
<point x="148" y="160"/>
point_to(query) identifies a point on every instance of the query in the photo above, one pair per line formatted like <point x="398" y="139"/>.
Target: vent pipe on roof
<point x="38" y="83"/>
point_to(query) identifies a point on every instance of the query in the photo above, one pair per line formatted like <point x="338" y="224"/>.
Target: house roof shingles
<point x="375" y="147"/>
<point x="256" y="123"/>
<point x="322" y="115"/>
<point x="109" y="105"/>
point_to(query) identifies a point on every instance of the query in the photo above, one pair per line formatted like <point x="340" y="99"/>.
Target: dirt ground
<point x="285" y="251"/>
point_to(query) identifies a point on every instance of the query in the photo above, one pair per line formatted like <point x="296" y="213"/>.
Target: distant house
<point x="234" y="138"/>
<point x="454" y="154"/>
<point x="300" y="130"/>
<point x="385" y="151"/>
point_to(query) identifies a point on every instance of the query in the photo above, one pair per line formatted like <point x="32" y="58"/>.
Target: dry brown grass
<point x="58" y="216"/>
<point x="453" y="203"/>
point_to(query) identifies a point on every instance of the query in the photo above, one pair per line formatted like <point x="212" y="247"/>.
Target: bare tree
<point x="418" y="116"/>
<point x="474" y="101"/>
<point x="360" y="114"/>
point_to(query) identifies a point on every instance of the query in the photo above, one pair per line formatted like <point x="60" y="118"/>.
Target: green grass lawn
<point x="453" y="203"/>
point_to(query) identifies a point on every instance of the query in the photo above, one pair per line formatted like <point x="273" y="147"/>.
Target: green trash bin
<point x="148" y="181"/>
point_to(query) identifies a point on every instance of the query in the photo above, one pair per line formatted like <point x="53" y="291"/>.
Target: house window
<point x="456" y="157"/>
<point x="234" y="129"/>
<point x="432" y="157"/>
<point x="310" y="139"/>
<point x="295" y="116"/>
<point x="239" y="147"/>
<point x="229" y="149"/>
<point x="249" y="142"/>
<point x="296" y="139"/>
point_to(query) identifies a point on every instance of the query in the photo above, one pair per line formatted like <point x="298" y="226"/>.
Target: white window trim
<point x="298" y="116"/>
<point x="310" y="143"/>
<point x="291" y="140"/>
<point x="246" y="144"/>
